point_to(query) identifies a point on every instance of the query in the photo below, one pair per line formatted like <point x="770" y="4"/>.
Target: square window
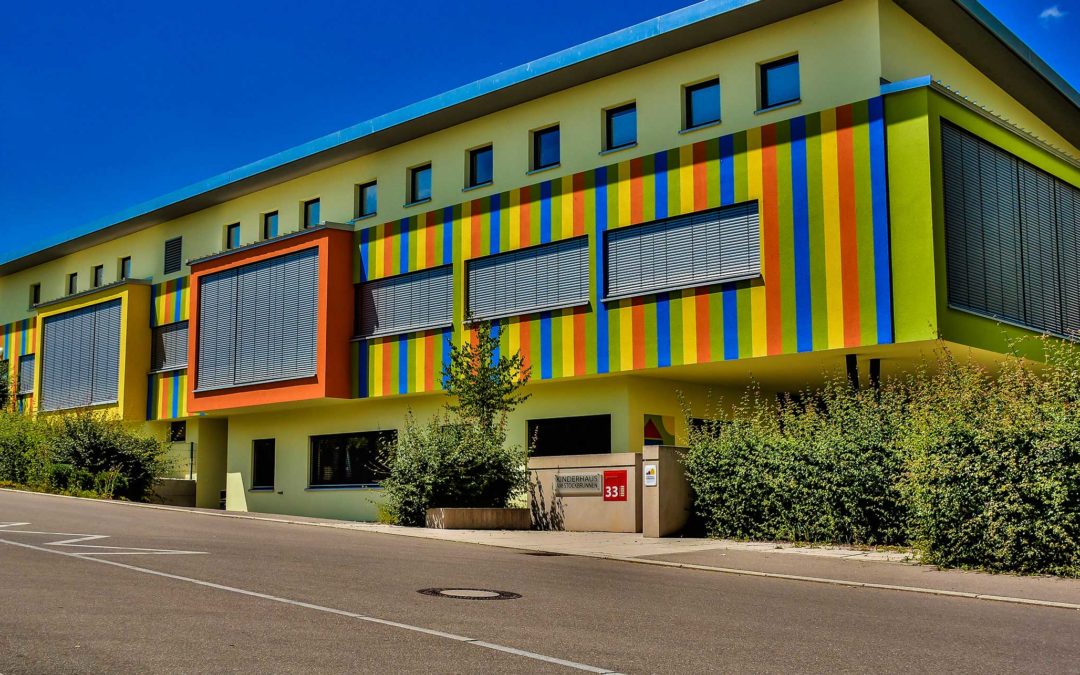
<point x="270" y="225"/>
<point x="72" y="283"/>
<point x="35" y="294"/>
<point x="178" y="431"/>
<point x="125" y="268"/>
<point x="780" y="82"/>
<point x="262" y="463"/>
<point x="367" y="199"/>
<point x="232" y="235"/>
<point x="481" y="166"/>
<point x="97" y="275"/>
<point x="702" y="103"/>
<point x="620" y="126"/>
<point x="545" y="148"/>
<point x="350" y="459"/>
<point x="419" y="183"/>
<point x="311" y="213"/>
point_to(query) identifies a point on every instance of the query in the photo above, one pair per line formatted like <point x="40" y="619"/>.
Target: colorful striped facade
<point x="166" y="393"/>
<point x="19" y="339"/>
<point x="821" y="185"/>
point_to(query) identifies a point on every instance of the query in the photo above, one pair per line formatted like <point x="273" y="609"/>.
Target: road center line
<point x="320" y="608"/>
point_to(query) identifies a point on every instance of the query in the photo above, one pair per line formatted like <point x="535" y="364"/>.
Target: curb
<point x="341" y="525"/>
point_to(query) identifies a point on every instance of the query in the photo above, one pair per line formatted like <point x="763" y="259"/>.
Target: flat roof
<point x="964" y="24"/>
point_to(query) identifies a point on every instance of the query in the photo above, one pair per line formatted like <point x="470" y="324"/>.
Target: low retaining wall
<point x="478" y="519"/>
<point x="173" y="492"/>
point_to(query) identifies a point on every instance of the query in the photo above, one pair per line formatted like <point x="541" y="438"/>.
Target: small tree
<point x="485" y="382"/>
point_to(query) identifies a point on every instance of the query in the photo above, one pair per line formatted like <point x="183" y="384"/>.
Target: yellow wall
<point x="909" y="49"/>
<point x="839" y="63"/>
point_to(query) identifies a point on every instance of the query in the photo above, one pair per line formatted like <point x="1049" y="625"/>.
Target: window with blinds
<point x="174" y="258"/>
<point x="710" y="247"/>
<point x="169" y="347"/>
<point x="1012" y="237"/>
<point x="80" y="363"/>
<point x="532" y="279"/>
<point x="259" y="322"/>
<point x="26" y="375"/>
<point x="406" y="303"/>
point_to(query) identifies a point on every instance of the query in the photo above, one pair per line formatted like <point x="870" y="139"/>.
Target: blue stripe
<point x="403" y="254"/>
<point x="448" y="235"/>
<point x="494" y="332"/>
<point x="731" y="322"/>
<point x="879" y="199"/>
<point x="175" y="395"/>
<point x="800" y="204"/>
<point x="727" y="169"/>
<point x="403" y="364"/>
<point x="663" y="330"/>
<point x="446" y="344"/>
<point x="496" y="215"/>
<point x="365" y="253"/>
<point x="602" y="356"/>
<point x="181" y="284"/>
<point x="545" y="212"/>
<point x="362" y="369"/>
<point x="660" y="169"/>
<point x="545" y="346"/>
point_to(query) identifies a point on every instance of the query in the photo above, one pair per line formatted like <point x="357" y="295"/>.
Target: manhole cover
<point x="469" y="593"/>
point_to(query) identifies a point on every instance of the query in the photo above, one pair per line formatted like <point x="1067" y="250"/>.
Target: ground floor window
<point x="350" y="460"/>
<point x="263" y="451"/>
<point x="585" y="435"/>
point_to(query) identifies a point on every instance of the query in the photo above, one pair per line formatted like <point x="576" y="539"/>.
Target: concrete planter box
<point x="479" y="519"/>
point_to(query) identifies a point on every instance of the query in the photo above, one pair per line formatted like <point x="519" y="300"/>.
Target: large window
<point x="481" y="166"/>
<point x="701" y="104"/>
<point x="620" y="126"/>
<point x="585" y="435"/>
<point x="419" y="184"/>
<point x="1012" y="237"/>
<point x="259" y="322"/>
<point x="545" y="148"/>
<point x="263" y="460"/>
<point x="81" y="357"/>
<point x="174" y="258"/>
<point x="350" y="460"/>
<point x="779" y="82"/>
<point x="169" y="347"/>
<point x="532" y="279"/>
<point x="406" y="303"/>
<point x="702" y="248"/>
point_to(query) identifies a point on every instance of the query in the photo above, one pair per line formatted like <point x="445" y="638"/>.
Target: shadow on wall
<point x="544" y="517"/>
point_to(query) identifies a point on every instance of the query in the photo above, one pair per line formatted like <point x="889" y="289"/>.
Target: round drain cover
<point x="469" y="593"/>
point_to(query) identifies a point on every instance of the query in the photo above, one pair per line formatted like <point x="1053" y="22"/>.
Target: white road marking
<point x="3" y="525"/>
<point x="328" y="610"/>
<point x="74" y="540"/>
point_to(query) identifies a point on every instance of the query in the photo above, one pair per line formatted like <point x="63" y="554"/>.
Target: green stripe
<point x="787" y="238"/>
<point x="864" y="223"/>
<point x="816" y="211"/>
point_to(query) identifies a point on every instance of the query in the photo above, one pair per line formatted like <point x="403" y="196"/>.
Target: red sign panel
<point x="615" y="486"/>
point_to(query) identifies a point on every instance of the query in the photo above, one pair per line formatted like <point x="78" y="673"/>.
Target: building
<point x="741" y="188"/>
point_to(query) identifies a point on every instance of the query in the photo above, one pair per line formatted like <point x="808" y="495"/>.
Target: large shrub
<point x="22" y="444"/>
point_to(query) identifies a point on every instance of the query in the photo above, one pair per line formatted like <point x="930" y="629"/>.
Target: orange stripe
<point x="637" y="322"/>
<point x="636" y="208"/>
<point x="849" y="253"/>
<point x="701" y="178"/>
<point x="525" y="346"/>
<point x="770" y="227"/>
<point x="579" y="340"/>
<point x="579" y="204"/>
<point x="429" y="360"/>
<point x="477" y="209"/>
<point x="523" y="207"/>
<point x="701" y="305"/>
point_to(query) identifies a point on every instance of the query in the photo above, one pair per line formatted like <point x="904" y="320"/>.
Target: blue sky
<point x="107" y="104"/>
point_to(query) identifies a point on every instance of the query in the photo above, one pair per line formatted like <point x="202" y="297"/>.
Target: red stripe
<point x="579" y="340"/>
<point x="387" y="367"/>
<point x="701" y="179"/>
<point x="525" y="342"/>
<point x="701" y="305"/>
<point x="523" y="208"/>
<point x="579" y="204"/>
<point x="636" y="208"/>
<point x="476" y="208"/>
<point x="637" y="322"/>
<point x="429" y="359"/>
<point x="849" y="251"/>
<point x="770" y="226"/>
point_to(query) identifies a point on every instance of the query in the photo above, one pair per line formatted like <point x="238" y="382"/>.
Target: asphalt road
<point x="230" y="595"/>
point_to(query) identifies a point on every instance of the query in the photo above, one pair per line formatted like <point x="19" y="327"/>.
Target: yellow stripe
<point x="567" y="343"/>
<point x="689" y="326"/>
<point x="418" y="255"/>
<point x="566" y="203"/>
<point x="515" y="219"/>
<point x="829" y="182"/>
<point x="466" y="230"/>
<point x="377" y="252"/>
<point x="376" y="368"/>
<point x="759" y="337"/>
<point x="626" y="336"/>
<point x="417" y="345"/>
<point x="686" y="179"/>
<point x="513" y="341"/>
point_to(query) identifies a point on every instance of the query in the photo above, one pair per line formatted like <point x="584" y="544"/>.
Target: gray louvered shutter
<point x="685" y="251"/>
<point x="169" y="347"/>
<point x="174" y="255"/>
<point x="407" y="302"/>
<point x="1068" y="219"/>
<point x="532" y="279"/>
<point x="1039" y="245"/>
<point x="26" y="374"/>
<point x="217" y="330"/>
<point x="105" y="386"/>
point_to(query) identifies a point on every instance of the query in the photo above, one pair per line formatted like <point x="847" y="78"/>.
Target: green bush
<point x="447" y="463"/>
<point x="22" y="443"/>
<point x="972" y="467"/>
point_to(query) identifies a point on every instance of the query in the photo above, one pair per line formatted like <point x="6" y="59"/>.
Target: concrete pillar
<point x="665" y="491"/>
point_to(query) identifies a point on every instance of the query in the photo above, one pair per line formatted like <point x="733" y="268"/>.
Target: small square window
<point x="545" y="148"/>
<point x="702" y="103"/>
<point x="73" y="283"/>
<point x="97" y="276"/>
<point x="367" y="199"/>
<point x="262" y="463"/>
<point x="481" y="166"/>
<point x="125" y="269"/>
<point x="779" y="82"/>
<point x="311" y="213"/>
<point x="270" y="225"/>
<point x="178" y="431"/>
<point x="419" y="183"/>
<point x="232" y="236"/>
<point x="620" y="126"/>
<point x="35" y="294"/>
<point x="174" y="255"/>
